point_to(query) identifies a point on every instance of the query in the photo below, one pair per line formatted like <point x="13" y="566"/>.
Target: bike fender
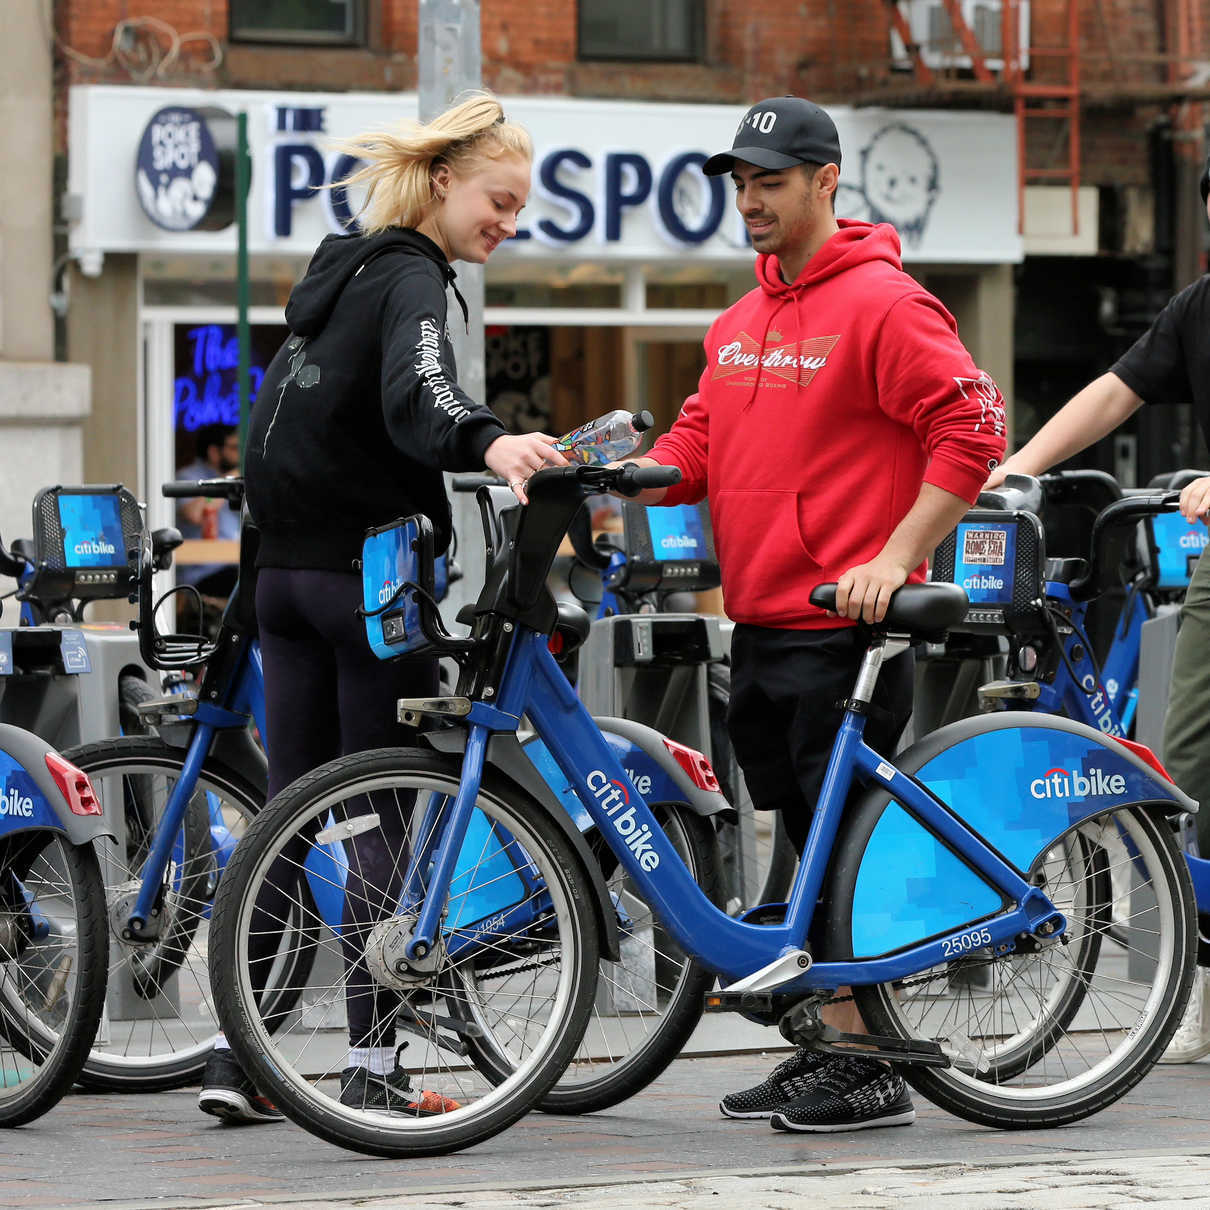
<point x="30" y="799"/>
<point x="505" y="755"/>
<point x="234" y="746"/>
<point x="1019" y="779"/>
<point x="654" y="771"/>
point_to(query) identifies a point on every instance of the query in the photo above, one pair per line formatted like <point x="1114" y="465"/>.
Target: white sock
<point x="378" y="1060"/>
<point x="220" y="1041"/>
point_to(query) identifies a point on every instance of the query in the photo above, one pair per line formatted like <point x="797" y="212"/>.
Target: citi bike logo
<point x="387" y="591"/>
<point x="1058" y="783"/>
<point x="613" y="796"/>
<point x="1194" y="541"/>
<point x="13" y="803"/>
<point x="95" y="546"/>
<point x="982" y="582"/>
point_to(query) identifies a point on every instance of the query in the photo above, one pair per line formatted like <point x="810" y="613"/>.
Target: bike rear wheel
<point x="161" y="1021"/>
<point x="519" y="908"/>
<point x="1049" y="1037"/>
<point x="52" y="968"/>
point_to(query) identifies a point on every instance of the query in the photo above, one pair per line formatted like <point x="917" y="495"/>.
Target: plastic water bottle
<point x="605" y="439"/>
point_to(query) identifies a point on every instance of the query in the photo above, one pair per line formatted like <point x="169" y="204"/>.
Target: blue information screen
<point x="984" y="562"/>
<point x="1180" y="545"/>
<point x="92" y="531"/>
<point x="677" y="533"/>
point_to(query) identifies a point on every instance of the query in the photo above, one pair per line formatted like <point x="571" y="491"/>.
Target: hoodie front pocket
<point x="760" y="546"/>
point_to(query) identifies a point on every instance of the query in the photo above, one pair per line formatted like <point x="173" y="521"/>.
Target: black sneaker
<point x="229" y="1094"/>
<point x="391" y="1093"/>
<point x="791" y="1078"/>
<point x="852" y="1094"/>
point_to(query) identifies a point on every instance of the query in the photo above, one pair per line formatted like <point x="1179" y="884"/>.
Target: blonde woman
<point x="359" y="414"/>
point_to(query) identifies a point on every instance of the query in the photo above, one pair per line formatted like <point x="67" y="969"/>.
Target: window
<point x="667" y="30"/>
<point x="333" y="21"/>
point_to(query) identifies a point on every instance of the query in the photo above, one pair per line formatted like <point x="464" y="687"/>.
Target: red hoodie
<point x="823" y="407"/>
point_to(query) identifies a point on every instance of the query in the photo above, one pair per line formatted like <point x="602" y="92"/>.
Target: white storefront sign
<point x="612" y="180"/>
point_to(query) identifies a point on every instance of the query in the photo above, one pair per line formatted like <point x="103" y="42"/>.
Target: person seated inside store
<point x="217" y="457"/>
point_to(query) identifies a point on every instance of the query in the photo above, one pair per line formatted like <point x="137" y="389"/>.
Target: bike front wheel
<point x="513" y="971"/>
<point x="1047" y="1037"/>
<point x="161" y="1021"/>
<point x="52" y="968"/>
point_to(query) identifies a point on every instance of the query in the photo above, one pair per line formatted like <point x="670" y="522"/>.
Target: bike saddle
<point x="920" y="610"/>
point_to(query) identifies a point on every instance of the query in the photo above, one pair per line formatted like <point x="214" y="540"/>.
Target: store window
<point x="205" y="390"/>
<point x="316" y="21"/>
<point x="664" y="30"/>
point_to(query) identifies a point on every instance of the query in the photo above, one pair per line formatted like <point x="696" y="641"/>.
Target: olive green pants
<point x="1187" y="720"/>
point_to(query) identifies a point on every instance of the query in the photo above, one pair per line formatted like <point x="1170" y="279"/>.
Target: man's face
<point x="226" y="456"/>
<point x="782" y="209"/>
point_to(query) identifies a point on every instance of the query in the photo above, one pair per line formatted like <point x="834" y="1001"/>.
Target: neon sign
<point x="206" y="390"/>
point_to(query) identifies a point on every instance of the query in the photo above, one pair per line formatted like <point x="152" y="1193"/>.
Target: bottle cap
<point x="642" y="421"/>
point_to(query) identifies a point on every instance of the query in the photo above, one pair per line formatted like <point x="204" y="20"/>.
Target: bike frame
<point x="534" y="686"/>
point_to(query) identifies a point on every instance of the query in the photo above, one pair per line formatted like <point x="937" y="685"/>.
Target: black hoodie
<point x="359" y="411"/>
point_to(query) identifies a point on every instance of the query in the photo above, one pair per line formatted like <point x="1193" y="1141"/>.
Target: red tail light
<point x="74" y="783"/>
<point x="1146" y="755"/>
<point x="695" y="764"/>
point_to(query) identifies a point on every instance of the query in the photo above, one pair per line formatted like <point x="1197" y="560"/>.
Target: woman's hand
<point x="1195" y="500"/>
<point x="515" y="458"/>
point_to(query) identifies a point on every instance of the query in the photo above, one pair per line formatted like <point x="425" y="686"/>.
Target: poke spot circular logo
<point x="180" y="176"/>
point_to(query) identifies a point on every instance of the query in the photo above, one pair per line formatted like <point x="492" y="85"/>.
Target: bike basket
<point x="87" y="541"/>
<point x="997" y="558"/>
<point x="396" y="575"/>
<point x="1178" y="545"/>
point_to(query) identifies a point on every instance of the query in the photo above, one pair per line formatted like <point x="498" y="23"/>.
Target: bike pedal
<point x="156" y="710"/>
<point x="917" y="1051"/>
<point x="739" y="1002"/>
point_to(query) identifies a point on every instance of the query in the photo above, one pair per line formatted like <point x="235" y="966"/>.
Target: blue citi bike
<point x="187" y="794"/>
<point x="52" y="921"/>
<point x="1005" y="898"/>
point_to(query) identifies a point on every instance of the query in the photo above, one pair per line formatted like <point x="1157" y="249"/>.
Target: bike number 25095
<point x="951" y="947"/>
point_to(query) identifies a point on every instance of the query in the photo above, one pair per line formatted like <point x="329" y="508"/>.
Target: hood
<point x="855" y="243"/>
<point x="337" y="259"/>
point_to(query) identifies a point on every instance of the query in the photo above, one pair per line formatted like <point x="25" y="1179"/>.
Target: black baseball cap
<point x="779" y="133"/>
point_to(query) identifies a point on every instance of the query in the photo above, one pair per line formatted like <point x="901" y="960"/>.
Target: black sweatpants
<point x="783" y="714"/>
<point x="328" y="695"/>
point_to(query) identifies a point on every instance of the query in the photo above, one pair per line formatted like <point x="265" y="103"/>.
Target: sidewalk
<point x="668" y="1147"/>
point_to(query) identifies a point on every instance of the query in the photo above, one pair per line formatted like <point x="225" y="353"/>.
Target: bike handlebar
<point x="1120" y="514"/>
<point x="10" y="564"/>
<point x="227" y="489"/>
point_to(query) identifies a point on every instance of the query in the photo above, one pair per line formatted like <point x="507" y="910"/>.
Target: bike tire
<point x="1074" y="1034"/>
<point x="554" y="957"/>
<point x="161" y="1020"/>
<point x="133" y="691"/>
<point x="63" y="969"/>
<point x="648" y="1004"/>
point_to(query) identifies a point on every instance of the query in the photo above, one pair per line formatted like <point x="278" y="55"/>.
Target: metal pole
<point x="450" y="62"/>
<point x="243" y="335"/>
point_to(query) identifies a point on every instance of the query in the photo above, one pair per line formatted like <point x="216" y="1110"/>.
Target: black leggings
<point x="328" y="695"/>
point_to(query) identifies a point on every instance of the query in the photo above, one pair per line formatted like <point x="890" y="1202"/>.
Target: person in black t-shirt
<point x="1169" y="363"/>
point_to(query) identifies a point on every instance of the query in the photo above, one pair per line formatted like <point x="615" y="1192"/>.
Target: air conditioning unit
<point x="940" y="46"/>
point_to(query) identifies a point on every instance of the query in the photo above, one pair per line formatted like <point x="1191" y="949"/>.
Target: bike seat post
<point x="882" y="647"/>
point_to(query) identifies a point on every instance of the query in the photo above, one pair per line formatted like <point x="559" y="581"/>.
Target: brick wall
<point x="833" y="50"/>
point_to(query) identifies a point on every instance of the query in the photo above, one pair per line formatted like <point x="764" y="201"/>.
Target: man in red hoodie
<point x="841" y="430"/>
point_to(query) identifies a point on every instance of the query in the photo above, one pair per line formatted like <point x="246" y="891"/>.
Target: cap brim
<point x="762" y="157"/>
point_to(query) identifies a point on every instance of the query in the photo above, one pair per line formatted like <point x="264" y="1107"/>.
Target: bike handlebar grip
<point x="227" y="489"/>
<point x="472" y="483"/>
<point x="635" y="478"/>
<point x="10" y="565"/>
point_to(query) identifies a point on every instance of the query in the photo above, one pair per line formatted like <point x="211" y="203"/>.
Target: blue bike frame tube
<point x="249" y="695"/>
<point x="170" y="822"/>
<point x="453" y="833"/>
<point x="1122" y="662"/>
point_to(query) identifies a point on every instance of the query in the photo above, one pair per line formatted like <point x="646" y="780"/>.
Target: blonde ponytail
<point x="399" y="162"/>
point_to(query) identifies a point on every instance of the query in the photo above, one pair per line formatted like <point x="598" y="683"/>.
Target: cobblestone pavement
<point x="665" y="1148"/>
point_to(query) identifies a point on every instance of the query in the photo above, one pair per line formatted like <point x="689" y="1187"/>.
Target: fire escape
<point x="1048" y="79"/>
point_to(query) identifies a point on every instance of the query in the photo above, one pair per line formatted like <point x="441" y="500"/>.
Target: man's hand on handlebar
<point x="1195" y="500"/>
<point x="649" y="495"/>
<point x="515" y="458"/>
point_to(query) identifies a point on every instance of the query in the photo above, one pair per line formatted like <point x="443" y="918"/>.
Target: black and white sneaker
<point x="390" y="1093"/>
<point x="851" y="1094"/>
<point x="229" y="1094"/>
<point x="791" y="1078"/>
